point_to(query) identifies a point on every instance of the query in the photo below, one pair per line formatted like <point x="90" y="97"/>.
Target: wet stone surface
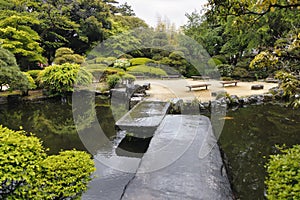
<point x="183" y="161"/>
<point x="142" y="120"/>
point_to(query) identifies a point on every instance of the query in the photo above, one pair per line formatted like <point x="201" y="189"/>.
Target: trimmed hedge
<point x="140" y="61"/>
<point x="148" y="71"/>
<point x="283" y="169"/>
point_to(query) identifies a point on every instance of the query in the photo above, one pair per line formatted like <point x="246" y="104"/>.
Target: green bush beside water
<point x="283" y="169"/>
<point x="27" y="172"/>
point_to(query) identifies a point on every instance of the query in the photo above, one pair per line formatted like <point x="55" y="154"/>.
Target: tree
<point x="18" y="37"/>
<point x="61" y="79"/>
<point x="27" y="172"/>
<point x="125" y="10"/>
<point x="240" y="31"/>
<point x="10" y="73"/>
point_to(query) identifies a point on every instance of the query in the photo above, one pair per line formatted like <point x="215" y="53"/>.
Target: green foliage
<point x="10" y="74"/>
<point x="240" y="72"/>
<point x="31" y="83"/>
<point x="122" y="63"/>
<point x="125" y="10"/>
<point x="290" y="86"/>
<point x="237" y="29"/>
<point x="128" y="77"/>
<point x="66" y="55"/>
<point x="214" y="62"/>
<point x="140" y="61"/>
<point x="18" y="37"/>
<point x="283" y="181"/>
<point x="19" y="161"/>
<point x="64" y="175"/>
<point x="264" y="60"/>
<point x="113" y="80"/>
<point x="177" y="61"/>
<point x="35" y="74"/>
<point x="26" y="172"/>
<point x="225" y="69"/>
<point x="59" y="79"/>
<point x="149" y="71"/>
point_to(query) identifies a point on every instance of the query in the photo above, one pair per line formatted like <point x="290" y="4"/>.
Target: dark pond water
<point x="52" y="121"/>
<point x="250" y="137"/>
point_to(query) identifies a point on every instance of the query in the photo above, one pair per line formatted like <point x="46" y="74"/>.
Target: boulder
<point x="257" y="87"/>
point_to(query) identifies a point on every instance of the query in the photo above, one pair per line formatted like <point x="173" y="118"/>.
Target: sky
<point x="173" y="10"/>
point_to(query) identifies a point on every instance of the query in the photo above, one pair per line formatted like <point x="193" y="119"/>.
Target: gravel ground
<point x="176" y="88"/>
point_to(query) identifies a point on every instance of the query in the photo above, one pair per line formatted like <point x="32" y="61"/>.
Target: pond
<point x="249" y="136"/>
<point x="52" y="121"/>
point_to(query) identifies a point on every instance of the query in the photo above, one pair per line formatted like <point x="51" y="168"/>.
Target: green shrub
<point x="66" y="55"/>
<point x="214" y="62"/>
<point x="34" y="73"/>
<point x="226" y="79"/>
<point x="65" y="175"/>
<point x="97" y="73"/>
<point x="128" y="77"/>
<point x="225" y="69"/>
<point x="113" y="80"/>
<point x="283" y="181"/>
<point x="31" y="83"/>
<point x="122" y="63"/>
<point x="240" y="72"/>
<point x="59" y="79"/>
<point x="26" y="172"/>
<point x="290" y="85"/>
<point x="96" y="66"/>
<point x="10" y="73"/>
<point x="150" y="71"/>
<point x="140" y="61"/>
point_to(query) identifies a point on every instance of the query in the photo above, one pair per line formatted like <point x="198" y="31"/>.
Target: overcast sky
<point x="174" y="10"/>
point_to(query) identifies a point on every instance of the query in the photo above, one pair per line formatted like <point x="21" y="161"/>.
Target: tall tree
<point x="17" y="36"/>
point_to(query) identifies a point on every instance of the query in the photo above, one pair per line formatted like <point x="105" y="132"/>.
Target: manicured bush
<point x="283" y="181"/>
<point x="149" y="71"/>
<point x="95" y="66"/>
<point x="128" y="77"/>
<point x="66" y="55"/>
<point x="65" y="175"/>
<point x="106" y="60"/>
<point x="34" y="73"/>
<point x="26" y="172"/>
<point x="113" y="80"/>
<point x="59" y="79"/>
<point x="240" y="72"/>
<point x="225" y="69"/>
<point x="31" y="83"/>
<point x="140" y="61"/>
<point x="122" y="63"/>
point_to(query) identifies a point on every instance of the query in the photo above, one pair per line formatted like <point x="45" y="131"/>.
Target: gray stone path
<point x="178" y="140"/>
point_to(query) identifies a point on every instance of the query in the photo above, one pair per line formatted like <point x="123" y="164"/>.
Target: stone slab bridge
<point x="174" y="166"/>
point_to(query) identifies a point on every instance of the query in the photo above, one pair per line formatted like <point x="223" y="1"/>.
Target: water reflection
<point x="250" y="137"/>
